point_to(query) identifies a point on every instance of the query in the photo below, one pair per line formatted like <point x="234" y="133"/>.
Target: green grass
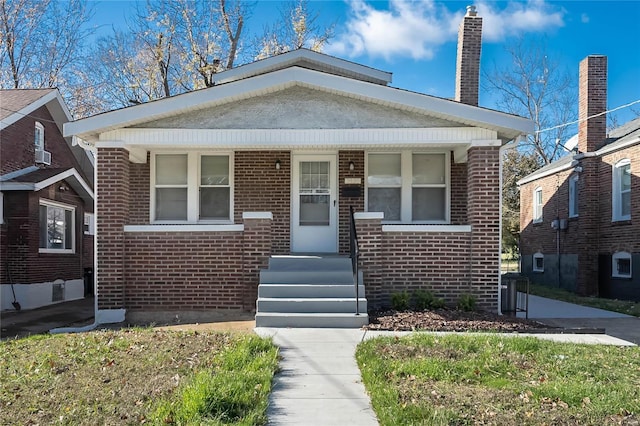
<point x="136" y="376"/>
<point x="454" y="380"/>
<point x="622" y="306"/>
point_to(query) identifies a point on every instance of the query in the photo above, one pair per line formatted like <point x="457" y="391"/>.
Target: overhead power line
<point x="584" y="119"/>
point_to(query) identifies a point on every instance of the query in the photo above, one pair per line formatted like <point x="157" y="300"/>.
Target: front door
<point x="314" y="227"/>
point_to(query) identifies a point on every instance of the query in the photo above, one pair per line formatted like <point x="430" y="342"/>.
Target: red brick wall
<point x="438" y="262"/>
<point x="593" y="100"/>
<point x="139" y="192"/>
<point x="344" y="158"/>
<point x="259" y="187"/>
<point x="183" y="270"/>
<point x="468" y="60"/>
<point x="458" y="193"/>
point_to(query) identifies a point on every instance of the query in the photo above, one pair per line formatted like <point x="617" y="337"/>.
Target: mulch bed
<point x="449" y="320"/>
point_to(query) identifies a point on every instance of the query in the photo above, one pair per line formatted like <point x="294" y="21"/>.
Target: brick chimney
<point x="468" y="62"/>
<point x="593" y="100"/>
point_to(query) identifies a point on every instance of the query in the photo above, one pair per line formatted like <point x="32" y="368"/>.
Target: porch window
<point x="621" y="194"/>
<point x="57" y="224"/>
<point x="408" y="186"/>
<point x="191" y="188"/>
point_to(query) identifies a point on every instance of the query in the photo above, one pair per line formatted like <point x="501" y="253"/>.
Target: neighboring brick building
<point x="195" y="192"/>
<point x="45" y="197"/>
<point x="579" y="216"/>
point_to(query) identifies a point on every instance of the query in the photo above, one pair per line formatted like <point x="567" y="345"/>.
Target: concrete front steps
<point x="310" y="292"/>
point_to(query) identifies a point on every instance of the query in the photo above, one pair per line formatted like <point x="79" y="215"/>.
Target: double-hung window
<point x="537" y="205"/>
<point x="57" y="224"/>
<point x="621" y="194"/>
<point x="191" y="188"/>
<point x="573" y="195"/>
<point x="38" y="139"/>
<point x="408" y="187"/>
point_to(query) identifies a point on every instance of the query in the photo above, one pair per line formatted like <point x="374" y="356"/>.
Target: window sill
<point x="187" y="227"/>
<point x="425" y="228"/>
<point x="621" y="222"/>
<point x="56" y="251"/>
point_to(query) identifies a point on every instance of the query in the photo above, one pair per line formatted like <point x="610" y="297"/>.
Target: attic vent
<point x="57" y="294"/>
<point x="43" y="157"/>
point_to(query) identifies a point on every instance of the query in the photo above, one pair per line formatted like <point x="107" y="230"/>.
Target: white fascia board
<point x="549" y="172"/>
<point x="612" y="147"/>
<point x="274" y="62"/>
<point x="71" y="173"/>
<point x="509" y="125"/>
<point x="16" y="186"/>
<point x="18" y="173"/>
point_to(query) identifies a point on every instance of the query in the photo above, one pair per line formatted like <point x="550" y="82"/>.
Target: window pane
<point x="215" y="203"/>
<point x="314" y="176"/>
<point x="68" y="229"/>
<point x="428" y="169"/>
<point x="386" y="200"/>
<point x="624" y="266"/>
<point x="55" y="227"/>
<point x="625" y="178"/>
<point x="171" y="169"/>
<point x="384" y="169"/>
<point x="626" y="203"/>
<point x="171" y="203"/>
<point x="314" y="210"/>
<point x="428" y="204"/>
<point x="214" y="170"/>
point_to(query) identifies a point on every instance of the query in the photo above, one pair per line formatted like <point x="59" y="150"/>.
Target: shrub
<point x="424" y="299"/>
<point x="400" y="301"/>
<point x="467" y="302"/>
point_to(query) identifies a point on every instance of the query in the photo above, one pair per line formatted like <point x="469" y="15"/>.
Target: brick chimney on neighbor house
<point x="593" y="100"/>
<point x="468" y="62"/>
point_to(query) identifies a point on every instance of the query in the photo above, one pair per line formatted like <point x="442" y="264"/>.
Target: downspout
<point x="95" y="324"/>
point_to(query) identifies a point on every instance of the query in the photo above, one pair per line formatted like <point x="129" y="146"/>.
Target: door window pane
<point x="428" y="204"/>
<point x="214" y="203"/>
<point x="384" y="170"/>
<point x="385" y="200"/>
<point x="314" y="210"/>
<point x="314" y="176"/>
<point x="171" y="203"/>
<point x="171" y="169"/>
<point x="428" y="169"/>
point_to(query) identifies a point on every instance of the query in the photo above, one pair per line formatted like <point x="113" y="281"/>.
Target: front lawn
<point x="426" y="379"/>
<point x="136" y="376"/>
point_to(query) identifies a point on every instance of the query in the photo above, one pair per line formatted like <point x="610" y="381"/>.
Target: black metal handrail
<point x="354" y="252"/>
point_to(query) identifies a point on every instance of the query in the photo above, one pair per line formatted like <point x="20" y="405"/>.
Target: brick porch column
<point x="112" y="214"/>
<point x="483" y="195"/>
<point x="256" y="252"/>
<point x="369" y="228"/>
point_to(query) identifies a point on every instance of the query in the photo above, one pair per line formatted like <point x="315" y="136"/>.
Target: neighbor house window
<point x="56" y="227"/>
<point x="538" y="262"/>
<point x="39" y="137"/>
<point x="89" y="224"/>
<point x="621" y="265"/>
<point x="408" y="186"/>
<point x="537" y="205"/>
<point x="573" y="195"/>
<point x="192" y="188"/>
<point x="621" y="194"/>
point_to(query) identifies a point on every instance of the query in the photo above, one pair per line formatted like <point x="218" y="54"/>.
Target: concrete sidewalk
<point x="320" y="384"/>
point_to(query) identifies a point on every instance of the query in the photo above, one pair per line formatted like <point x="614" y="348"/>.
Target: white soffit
<point x="508" y="126"/>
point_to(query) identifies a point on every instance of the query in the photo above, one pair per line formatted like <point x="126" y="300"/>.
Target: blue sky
<point x="416" y="41"/>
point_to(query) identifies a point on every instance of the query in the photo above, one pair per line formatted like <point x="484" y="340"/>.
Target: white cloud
<point x="416" y="29"/>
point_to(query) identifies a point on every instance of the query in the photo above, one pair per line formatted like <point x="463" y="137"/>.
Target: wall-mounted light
<point x="352" y="166"/>
<point x="63" y="188"/>
<point x="278" y="164"/>
<point x="578" y="169"/>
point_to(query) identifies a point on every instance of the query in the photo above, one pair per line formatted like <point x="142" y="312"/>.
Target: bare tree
<point x="297" y="29"/>
<point x="534" y="86"/>
<point x="41" y="41"/>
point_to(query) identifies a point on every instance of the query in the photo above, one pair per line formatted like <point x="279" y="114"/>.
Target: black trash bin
<point x="88" y="282"/>
<point x="509" y="295"/>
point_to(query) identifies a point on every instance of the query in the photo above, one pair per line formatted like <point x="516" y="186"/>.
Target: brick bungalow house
<point x="580" y="215"/>
<point x="196" y="192"/>
<point x="46" y="203"/>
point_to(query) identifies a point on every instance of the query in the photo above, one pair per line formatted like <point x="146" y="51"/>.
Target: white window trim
<point x="535" y="205"/>
<point x="406" y="170"/>
<point x="616" y="193"/>
<point x="193" y="187"/>
<point x="614" y="264"/>
<point x="91" y="218"/>
<point x="39" y="146"/>
<point x="535" y="268"/>
<point x="50" y="203"/>
<point x="573" y="196"/>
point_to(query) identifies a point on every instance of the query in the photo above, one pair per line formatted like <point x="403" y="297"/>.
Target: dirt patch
<point x="449" y="320"/>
